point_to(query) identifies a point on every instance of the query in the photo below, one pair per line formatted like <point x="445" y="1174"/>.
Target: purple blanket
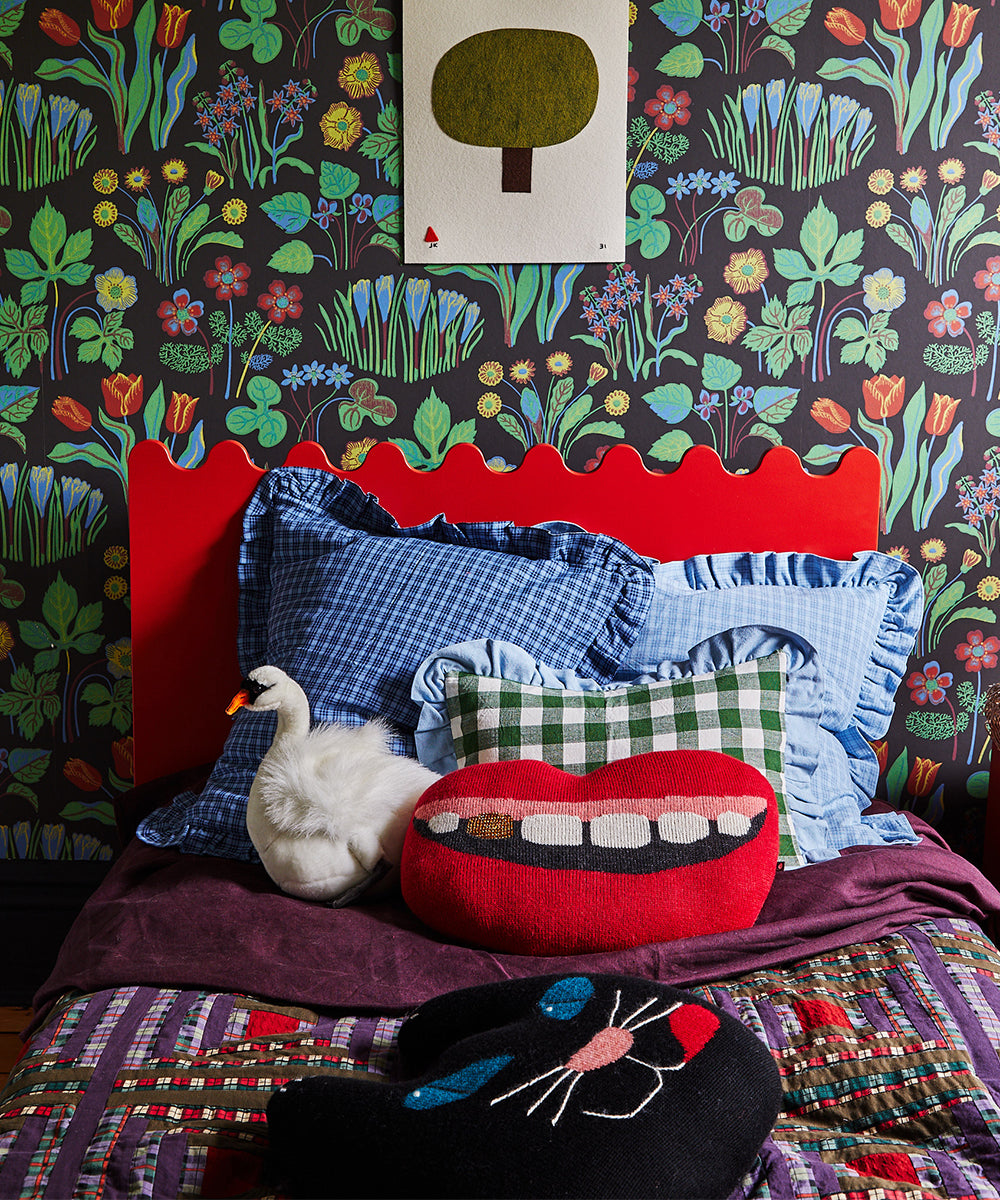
<point x="162" y="918"/>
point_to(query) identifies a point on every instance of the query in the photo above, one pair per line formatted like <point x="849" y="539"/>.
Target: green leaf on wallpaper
<point x="18" y="403"/>
<point x="652" y="235"/>
<point x="431" y="424"/>
<point x="107" y="343"/>
<point x="671" y="447"/>
<point x="33" y="701"/>
<point x="386" y="145"/>
<point x="15" y="435"/>
<point x="751" y="213"/>
<point x="780" y="46"/>
<point x="767" y="432"/>
<point x="295" y="257"/>
<point x="337" y="182"/>
<point x="387" y="213"/>
<point x="510" y="424"/>
<point x="774" y="404"/>
<point x="826" y="456"/>
<point x="153" y="411"/>
<point x="680" y="16"/>
<point x="685" y="61"/>
<point x="982" y="239"/>
<point x="94" y="810"/>
<point x="109" y="707"/>
<point x="602" y="429"/>
<point x="672" y="402"/>
<point x="269" y="426"/>
<point x="193" y="223"/>
<point x="394" y="63"/>
<point x="364" y="15"/>
<point x="28" y="766"/>
<point x="290" y="211"/>
<point x="90" y="452"/>
<point x="901" y="236"/>
<point x="787" y="16"/>
<point x="257" y="32"/>
<point x="719" y="374"/>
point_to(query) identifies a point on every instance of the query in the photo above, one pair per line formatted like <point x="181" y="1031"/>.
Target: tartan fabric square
<point x="345" y="601"/>
<point x="738" y="710"/>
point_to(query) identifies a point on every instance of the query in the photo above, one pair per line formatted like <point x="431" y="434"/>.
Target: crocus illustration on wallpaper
<point x="201" y="238"/>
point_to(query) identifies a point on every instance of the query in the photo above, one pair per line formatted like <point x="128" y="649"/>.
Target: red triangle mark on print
<point x="430" y="235"/>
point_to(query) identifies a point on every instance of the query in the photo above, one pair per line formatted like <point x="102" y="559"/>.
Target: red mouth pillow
<point x="523" y="857"/>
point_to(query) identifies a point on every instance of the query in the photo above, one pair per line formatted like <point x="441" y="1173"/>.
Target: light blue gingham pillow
<point x="861" y="616"/>
<point x="335" y="593"/>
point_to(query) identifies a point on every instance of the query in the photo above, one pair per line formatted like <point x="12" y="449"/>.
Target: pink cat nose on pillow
<point x="524" y="857"/>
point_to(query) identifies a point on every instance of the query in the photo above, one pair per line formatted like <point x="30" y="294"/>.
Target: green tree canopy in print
<point x="516" y="89"/>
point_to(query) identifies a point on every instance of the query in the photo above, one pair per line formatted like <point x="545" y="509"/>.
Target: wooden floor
<point x="12" y="1021"/>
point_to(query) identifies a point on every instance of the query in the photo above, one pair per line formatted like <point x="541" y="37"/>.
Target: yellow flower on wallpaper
<point x="341" y="126"/>
<point x="489" y="405"/>
<point x="354" y="453"/>
<point x="174" y="170"/>
<point x="726" y="320"/>
<point x="880" y="181"/>
<point x="745" y="271"/>
<point x="913" y="179"/>
<point x="105" y="181"/>
<point x="360" y="76"/>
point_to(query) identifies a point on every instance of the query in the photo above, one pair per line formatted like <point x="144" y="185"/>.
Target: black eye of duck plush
<point x="329" y="805"/>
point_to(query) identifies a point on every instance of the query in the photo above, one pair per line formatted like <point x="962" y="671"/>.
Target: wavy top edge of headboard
<point x="185" y="525"/>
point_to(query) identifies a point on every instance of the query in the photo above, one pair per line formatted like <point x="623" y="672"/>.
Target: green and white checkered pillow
<point x="737" y="710"/>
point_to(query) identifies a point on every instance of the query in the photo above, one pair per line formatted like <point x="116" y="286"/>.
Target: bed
<point x="742" y="617"/>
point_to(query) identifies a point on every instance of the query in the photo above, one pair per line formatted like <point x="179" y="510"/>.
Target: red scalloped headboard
<point x="184" y="528"/>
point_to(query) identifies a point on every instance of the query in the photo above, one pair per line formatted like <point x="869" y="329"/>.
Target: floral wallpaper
<point x="200" y="227"/>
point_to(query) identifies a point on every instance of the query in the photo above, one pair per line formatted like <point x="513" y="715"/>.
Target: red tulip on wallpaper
<point x="940" y="415"/>
<point x="170" y="29"/>
<point x="111" y="14"/>
<point x="72" y="413"/>
<point x="884" y="396"/>
<point x="899" y="14"/>
<point x="922" y="776"/>
<point x="958" y="27"/>
<point x="86" y="777"/>
<point x="61" y="28"/>
<point x="180" y="414"/>
<point x="846" y="27"/>
<point x="832" y="416"/>
<point x="122" y="394"/>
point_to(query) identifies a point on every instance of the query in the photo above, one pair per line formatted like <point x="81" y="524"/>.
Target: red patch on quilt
<point x="230" y="1172"/>
<point x="265" y="1024"/>
<point x="814" y="1014"/>
<point x="897" y="1167"/>
<point x="524" y="857"/>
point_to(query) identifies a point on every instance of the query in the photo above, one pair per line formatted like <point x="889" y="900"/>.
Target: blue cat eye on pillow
<point x="345" y="601"/>
<point x="861" y="617"/>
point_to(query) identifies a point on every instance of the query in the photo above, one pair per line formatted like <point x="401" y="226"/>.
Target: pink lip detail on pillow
<point x="524" y="857"/>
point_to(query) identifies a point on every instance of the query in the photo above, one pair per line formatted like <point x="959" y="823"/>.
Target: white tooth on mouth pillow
<point x="733" y="823"/>
<point x="620" y="830"/>
<point x="443" y="822"/>
<point x="553" y="829"/>
<point x="682" y="828"/>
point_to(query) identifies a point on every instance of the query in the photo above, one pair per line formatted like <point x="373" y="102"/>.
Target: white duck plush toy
<point x="330" y="804"/>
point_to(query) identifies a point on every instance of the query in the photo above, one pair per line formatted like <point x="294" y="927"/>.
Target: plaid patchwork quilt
<point x="737" y="711"/>
<point x="889" y="1053"/>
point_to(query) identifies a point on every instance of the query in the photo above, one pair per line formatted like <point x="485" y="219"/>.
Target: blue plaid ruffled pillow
<point x="335" y="593"/>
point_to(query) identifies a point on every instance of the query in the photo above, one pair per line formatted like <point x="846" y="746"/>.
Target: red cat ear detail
<point x="693" y="1027"/>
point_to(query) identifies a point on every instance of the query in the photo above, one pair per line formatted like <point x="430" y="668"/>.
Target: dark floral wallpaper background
<point x="200" y="229"/>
